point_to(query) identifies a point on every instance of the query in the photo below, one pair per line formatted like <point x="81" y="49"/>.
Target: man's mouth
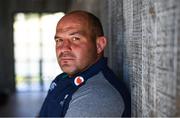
<point x="66" y="58"/>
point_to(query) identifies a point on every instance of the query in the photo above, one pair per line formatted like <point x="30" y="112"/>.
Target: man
<point x="87" y="87"/>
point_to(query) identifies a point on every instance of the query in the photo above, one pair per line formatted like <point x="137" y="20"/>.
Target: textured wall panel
<point x="148" y="58"/>
<point x="128" y="44"/>
<point x="177" y="64"/>
<point x="151" y="55"/>
<point x="116" y="36"/>
<point x="166" y="57"/>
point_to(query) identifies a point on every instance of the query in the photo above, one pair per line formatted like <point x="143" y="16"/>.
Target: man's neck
<point x="88" y="66"/>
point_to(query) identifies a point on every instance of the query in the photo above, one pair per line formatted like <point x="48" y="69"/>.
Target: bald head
<point x="79" y="41"/>
<point x="89" y="20"/>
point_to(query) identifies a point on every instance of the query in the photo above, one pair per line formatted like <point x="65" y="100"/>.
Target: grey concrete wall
<point x="151" y="55"/>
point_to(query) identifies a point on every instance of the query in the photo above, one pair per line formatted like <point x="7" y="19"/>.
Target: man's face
<point x="75" y="50"/>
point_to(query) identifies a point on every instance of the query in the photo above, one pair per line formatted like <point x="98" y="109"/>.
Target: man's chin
<point x="69" y="70"/>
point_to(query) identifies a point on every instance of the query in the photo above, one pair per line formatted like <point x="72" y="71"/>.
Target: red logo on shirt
<point x="78" y="80"/>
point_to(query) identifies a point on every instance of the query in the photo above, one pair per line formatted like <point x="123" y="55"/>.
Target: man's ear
<point x="101" y="44"/>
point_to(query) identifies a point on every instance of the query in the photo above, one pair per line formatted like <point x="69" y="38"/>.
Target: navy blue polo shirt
<point x="63" y="87"/>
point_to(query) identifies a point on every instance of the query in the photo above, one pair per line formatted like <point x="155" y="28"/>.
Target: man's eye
<point x="75" y="38"/>
<point x="59" y="40"/>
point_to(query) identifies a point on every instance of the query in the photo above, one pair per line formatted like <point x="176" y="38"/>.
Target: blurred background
<point x="143" y="50"/>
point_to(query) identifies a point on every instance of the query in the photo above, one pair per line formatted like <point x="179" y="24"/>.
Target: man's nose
<point x="66" y="45"/>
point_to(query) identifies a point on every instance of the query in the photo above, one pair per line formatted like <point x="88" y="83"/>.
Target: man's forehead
<point x="74" y="18"/>
<point x="71" y="31"/>
<point x="70" y="28"/>
<point x="71" y="24"/>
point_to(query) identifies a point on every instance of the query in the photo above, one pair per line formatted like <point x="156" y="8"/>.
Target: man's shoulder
<point x="98" y="85"/>
<point x="96" y="97"/>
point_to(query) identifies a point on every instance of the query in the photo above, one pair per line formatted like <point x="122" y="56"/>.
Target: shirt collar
<point x="82" y="77"/>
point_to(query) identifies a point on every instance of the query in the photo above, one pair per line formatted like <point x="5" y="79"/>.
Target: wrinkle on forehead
<point x="66" y="28"/>
<point x="71" y="32"/>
